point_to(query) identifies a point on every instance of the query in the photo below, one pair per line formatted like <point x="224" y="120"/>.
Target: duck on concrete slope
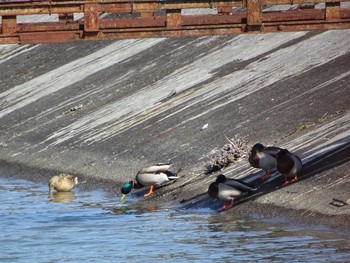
<point x="263" y="157"/>
<point x="227" y="189"/>
<point x="151" y="176"/>
<point x="289" y="165"/>
<point x="269" y="157"/>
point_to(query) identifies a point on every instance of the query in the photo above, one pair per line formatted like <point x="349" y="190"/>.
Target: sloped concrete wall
<point x="105" y="109"/>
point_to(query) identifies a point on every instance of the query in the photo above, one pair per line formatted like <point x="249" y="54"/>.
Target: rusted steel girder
<point x="107" y="19"/>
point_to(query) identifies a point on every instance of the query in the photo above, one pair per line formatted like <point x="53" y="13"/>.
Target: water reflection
<point x="137" y="208"/>
<point x="62" y="197"/>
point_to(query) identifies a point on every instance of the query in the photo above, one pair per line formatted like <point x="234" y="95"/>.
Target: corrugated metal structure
<point x="71" y="20"/>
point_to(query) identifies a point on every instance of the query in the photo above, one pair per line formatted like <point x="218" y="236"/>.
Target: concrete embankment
<point x="102" y="110"/>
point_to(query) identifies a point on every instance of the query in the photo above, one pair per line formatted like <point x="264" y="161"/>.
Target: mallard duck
<point x="289" y="165"/>
<point x="264" y="158"/>
<point x="149" y="176"/>
<point x="228" y="189"/>
<point x="63" y="182"/>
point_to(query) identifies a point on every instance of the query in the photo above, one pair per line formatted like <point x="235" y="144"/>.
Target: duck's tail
<point x="171" y="175"/>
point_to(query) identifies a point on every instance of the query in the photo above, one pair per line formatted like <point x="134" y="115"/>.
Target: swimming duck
<point x="227" y="189"/>
<point x="264" y="158"/>
<point x="149" y="176"/>
<point x="289" y="165"/>
<point x="62" y="182"/>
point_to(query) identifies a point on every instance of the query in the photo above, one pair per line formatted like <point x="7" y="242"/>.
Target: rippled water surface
<point x="95" y="227"/>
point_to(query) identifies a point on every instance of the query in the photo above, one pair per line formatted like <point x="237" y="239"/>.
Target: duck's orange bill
<point x="122" y="197"/>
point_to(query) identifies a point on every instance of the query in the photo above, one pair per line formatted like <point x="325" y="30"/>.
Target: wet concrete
<point x="102" y="110"/>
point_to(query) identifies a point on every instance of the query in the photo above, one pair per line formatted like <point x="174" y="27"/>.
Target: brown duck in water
<point x="63" y="182"/>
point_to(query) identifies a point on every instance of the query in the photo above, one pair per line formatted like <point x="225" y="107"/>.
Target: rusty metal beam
<point x="9" y="24"/>
<point x="213" y="19"/>
<point x="47" y="27"/>
<point x="299" y="2"/>
<point x="142" y="22"/>
<point x="158" y="18"/>
<point x="48" y="37"/>
<point x="295" y="26"/>
<point x="307" y="14"/>
<point x="39" y="9"/>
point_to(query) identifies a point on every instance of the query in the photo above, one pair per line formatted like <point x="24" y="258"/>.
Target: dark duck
<point x="227" y="190"/>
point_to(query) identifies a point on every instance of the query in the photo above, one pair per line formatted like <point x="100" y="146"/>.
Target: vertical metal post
<point x="254" y="19"/>
<point x="91" y="18"/>
<point x="332" y="10"/>
<point x="173" y="18"/>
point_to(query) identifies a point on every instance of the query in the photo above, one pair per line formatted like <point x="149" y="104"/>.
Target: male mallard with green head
<point x="264" y="158"/>
<point x="227" y="190"/>
<point x="289" y="165"/>
<point x="149" y="176"/>
<point x="63" y="182"/>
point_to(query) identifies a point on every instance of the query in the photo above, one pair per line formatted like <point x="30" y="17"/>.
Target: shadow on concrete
<point x="318" y="164"/>
<point x="328" y="160"/>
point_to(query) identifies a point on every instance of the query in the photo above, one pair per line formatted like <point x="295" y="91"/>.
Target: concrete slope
<point x="102" y="110"/>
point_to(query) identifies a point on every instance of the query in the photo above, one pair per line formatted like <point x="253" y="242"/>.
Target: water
<point x="95" y="227"/>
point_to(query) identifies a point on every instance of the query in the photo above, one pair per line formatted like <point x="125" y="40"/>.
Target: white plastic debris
<point x="205" y="126"/>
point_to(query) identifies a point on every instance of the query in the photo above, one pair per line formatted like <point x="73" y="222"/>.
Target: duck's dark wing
<point x="284" y="163"/>
<point x="273" y="150"/>
<point x="138" y="185"/>
<point x="171" y="175"/>
<point x="253" y="159"/>
<point x="240" y="185"/>
<point x="213" y="190"/>
<point x="298" y="158"/>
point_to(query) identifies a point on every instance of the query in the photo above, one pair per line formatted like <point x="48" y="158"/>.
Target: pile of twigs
<point x="232" y="152"/>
